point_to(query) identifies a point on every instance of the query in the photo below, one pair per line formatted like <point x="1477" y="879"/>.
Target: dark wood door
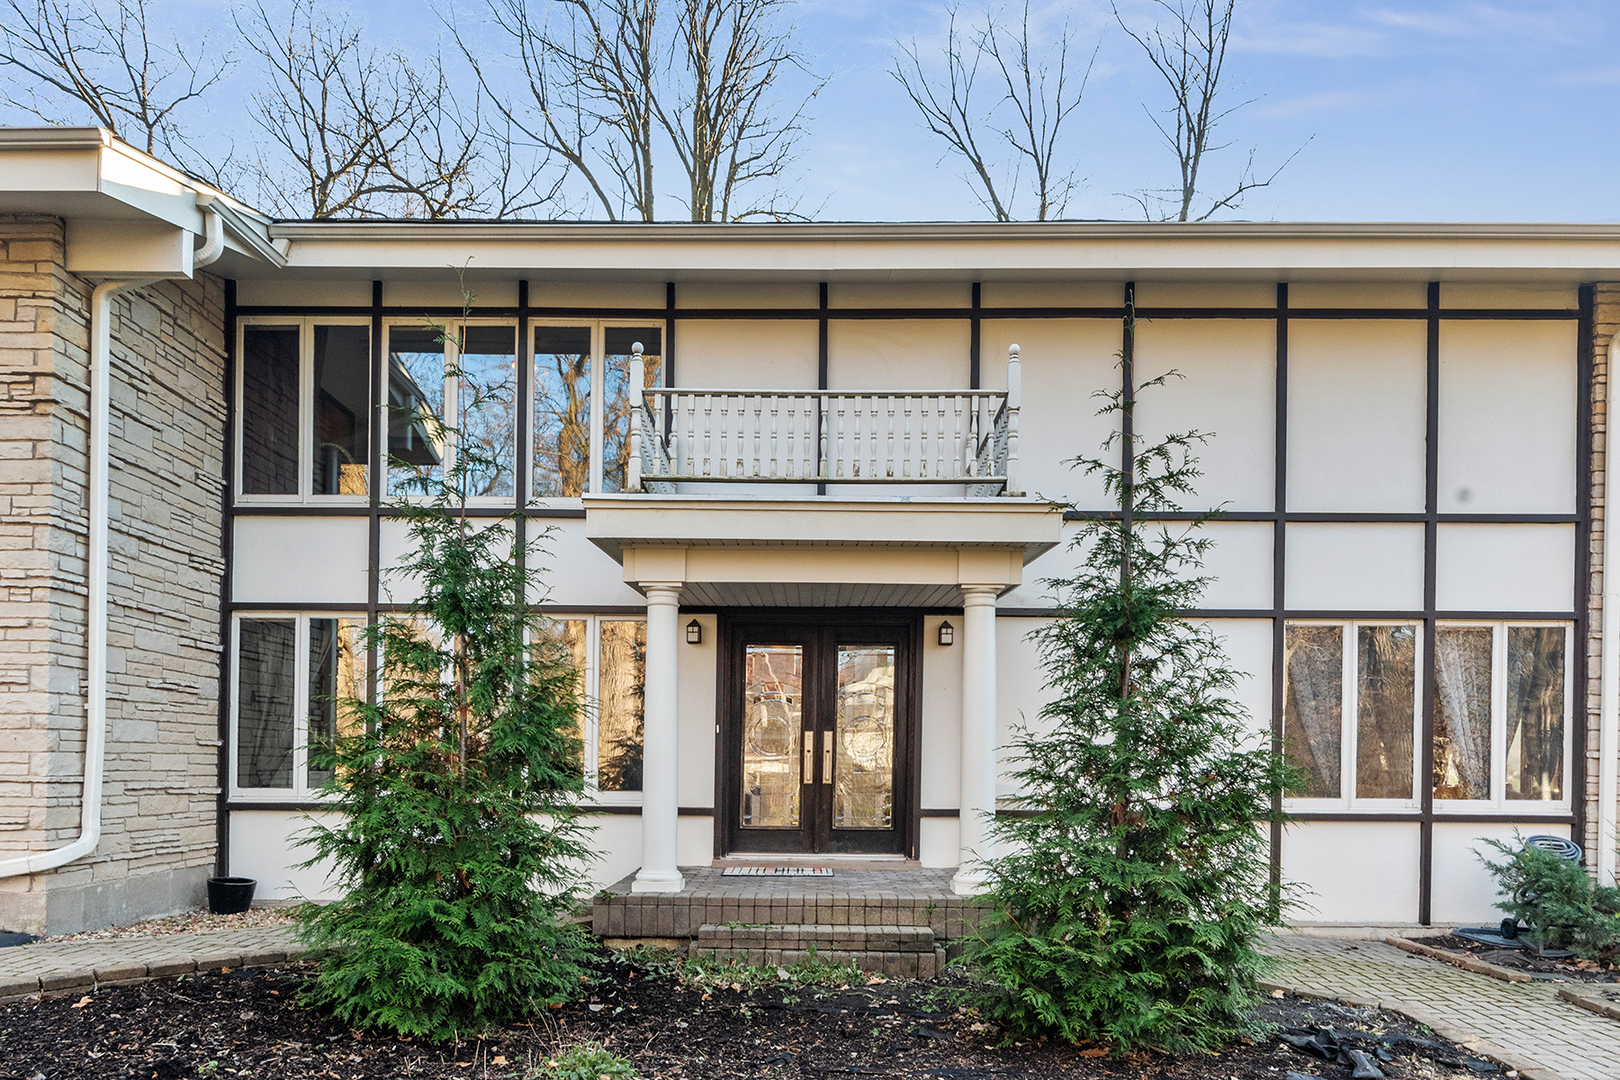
<point x="817" y="736"/>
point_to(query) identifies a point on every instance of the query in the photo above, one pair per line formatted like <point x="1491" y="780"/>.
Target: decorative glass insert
<point x="1535" y="712"/>
<point x="342" y="381"/>
<point x="1462" y="712"/>
<point x="486" y="393"/>
<point x="416" y="384"/>
<point x="337" y="673"/>
<point x="616" y="393"/>
<point x="772" y="731"/>
<point x="620" y="686"/>
<point x="1313" y="709"/>
<point x="270" y="410"/>
<point x="863" y="767"/>
<point x="1386" y="674"/>
<point x="562" y="411"/>
<point x="266" y="689"/>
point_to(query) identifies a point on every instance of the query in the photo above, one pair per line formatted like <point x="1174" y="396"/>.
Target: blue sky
<point x="1438" y="110"/>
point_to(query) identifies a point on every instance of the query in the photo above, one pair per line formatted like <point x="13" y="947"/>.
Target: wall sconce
<point x="694" y="633"/>
<point x="947" y="634"/>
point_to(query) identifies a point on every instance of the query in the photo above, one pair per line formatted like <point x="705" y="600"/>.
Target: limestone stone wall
<point x="1606" y="323"/>
<point x="167" y="417"/>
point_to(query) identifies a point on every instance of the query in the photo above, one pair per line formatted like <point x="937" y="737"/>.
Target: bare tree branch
<point x="1188" y="50"/>
<point x="1039" y="90"/>
<point x="102" y="60"/>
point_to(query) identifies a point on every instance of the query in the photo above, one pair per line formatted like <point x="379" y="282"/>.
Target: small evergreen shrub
<point x="456" y="835"/>
<point x="1132" y="899"/>
<point x="1563" y="907"/>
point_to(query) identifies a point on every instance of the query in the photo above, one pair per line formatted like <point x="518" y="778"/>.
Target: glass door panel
<point x="772" y="723"/>
<point x="863" y="766"/>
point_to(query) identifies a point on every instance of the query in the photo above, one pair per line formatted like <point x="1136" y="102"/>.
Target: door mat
<point x="776" y="871"/>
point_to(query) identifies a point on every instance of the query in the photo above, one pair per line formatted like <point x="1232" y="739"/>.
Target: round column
<point x="978" y="786"/>
<point x="659" y="769"/>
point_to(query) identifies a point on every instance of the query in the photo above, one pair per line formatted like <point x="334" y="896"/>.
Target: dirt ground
<point x="248" y="1024"/>
<point x="1571" y="968"/>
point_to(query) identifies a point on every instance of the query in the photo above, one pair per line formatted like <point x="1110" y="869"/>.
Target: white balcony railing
<point x="967" y="438"/>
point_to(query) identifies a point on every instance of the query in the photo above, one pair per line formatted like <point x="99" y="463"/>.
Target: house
<point x="794" y="487"/>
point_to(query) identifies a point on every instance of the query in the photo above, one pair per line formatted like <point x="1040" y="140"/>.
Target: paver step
<point x="819" y="936"/>
<point x="894" y="963"/>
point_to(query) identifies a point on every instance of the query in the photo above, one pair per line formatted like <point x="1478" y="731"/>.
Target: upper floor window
<point x="582" y="403"/>
<point x="304" y="420"/>
<point x="452" y="394"/>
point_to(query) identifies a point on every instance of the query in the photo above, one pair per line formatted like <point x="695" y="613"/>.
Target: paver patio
<point x="1523" y="1024"/>
<point x="74" y="965"/>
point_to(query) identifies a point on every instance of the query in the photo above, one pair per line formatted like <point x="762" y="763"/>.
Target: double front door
<point x="817" y="737"/>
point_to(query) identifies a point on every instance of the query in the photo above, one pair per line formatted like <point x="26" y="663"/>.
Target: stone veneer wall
<point x="168" y="412"/>
<point x="1606" y="323"/>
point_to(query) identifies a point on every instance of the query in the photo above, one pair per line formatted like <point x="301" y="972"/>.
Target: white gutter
<point x="95" y="733"/>
<point x="1608" y="835"/>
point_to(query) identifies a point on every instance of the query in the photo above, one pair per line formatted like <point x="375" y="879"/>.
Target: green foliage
<point x="586" y="1061"/>
<point x="455" y="835"/>
<point x="1563" y="907"/>
<point x="1132" y="901"/>
<point x="708" y="974"/>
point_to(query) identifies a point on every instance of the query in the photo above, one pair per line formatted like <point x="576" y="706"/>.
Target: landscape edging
<point x="121" y="974"/>
<point x="1467" y="963"/>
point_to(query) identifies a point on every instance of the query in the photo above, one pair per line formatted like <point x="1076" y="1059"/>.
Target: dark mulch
<point x="1572" y="968"/>
<point x="247" y="1023"/>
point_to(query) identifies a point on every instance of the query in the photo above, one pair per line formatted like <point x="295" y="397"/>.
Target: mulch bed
<point x="248" y="1023"/>
<point x="1570" y="968"/>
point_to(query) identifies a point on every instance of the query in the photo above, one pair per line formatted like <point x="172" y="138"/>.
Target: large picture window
<point x="292" y="673"/>
<point x="582" y="404"/>
<point x="1501" y="714"/>
<point x="611" y="655"/>
<point x="1350" y="711"/>
<point x="304" y="418"/>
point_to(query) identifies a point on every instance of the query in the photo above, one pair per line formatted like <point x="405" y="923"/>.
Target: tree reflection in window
<point x="1462" y="712"/>
<point x="1535" y="720"/>
<point x="486" y="392"/>
<point x="616" y="394"/>
<point x="562" y="411"/>
<point x="1313" y="711"/>
<point x="620" y="689"/>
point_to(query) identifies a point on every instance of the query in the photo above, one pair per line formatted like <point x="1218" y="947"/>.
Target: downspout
<point x="95" y="735"/>
<point x="1609" y="702"/>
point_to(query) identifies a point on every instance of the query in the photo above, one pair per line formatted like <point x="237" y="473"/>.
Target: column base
<point x="658" y="883"/>
<point x="970" y="882"/>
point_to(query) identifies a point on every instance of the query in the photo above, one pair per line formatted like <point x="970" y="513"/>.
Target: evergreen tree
<point x="1131" y="900"/>
<point x="456" y="836"/>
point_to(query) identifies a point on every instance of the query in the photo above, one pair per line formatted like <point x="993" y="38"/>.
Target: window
<point x="463" y="377"/>
<point x="1350" y="711"/>
<point x="292" y="673"/>
<point x="304" y="428"/>
<point x="582" y="404"/>
<point x="1501" y="714"/>
<point x="611" y="655"/>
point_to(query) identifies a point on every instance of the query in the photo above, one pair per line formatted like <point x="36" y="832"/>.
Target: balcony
<point x="962" y="439"/>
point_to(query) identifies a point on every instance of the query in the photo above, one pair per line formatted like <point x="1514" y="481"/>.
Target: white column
<point x="659" y="770"/>
<point x="978" y="788"/>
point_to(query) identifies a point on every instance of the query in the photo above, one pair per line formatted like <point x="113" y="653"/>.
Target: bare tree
<point x="1188" y="50"/>
<point x="103" y="59"/>
<point x="1017" y="140"/>
<point x="366" y="134"/>
<point x="606" y="80"/>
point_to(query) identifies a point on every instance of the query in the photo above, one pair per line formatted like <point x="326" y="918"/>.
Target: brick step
<point x="822" y="937"/>
<point x="893" y="963"/>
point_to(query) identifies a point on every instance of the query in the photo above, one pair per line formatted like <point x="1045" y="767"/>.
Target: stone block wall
<point x="1606" y="324"/>
<point x="167" y="418"/>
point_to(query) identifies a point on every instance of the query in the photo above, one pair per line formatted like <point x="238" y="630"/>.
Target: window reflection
<point x="562" y="411"/>
<point x="416" y="381"/>
<point x="773" y="704"/>
<point x="616" y="394"/>
<point x="1313" y="710"/>
<point x="1535" y="720"/>
<point x="342" y="419"/>
<point x="486" y="384"/>
<point x="620" y="685"/>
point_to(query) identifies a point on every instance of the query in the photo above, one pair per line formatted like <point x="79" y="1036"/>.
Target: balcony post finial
<point x="1015" y="393"/>
<point x="638" y="382"/>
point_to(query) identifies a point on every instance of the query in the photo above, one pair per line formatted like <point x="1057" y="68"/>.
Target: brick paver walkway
<point x="72" y="965"/>
<point x="1523" y="1024"/>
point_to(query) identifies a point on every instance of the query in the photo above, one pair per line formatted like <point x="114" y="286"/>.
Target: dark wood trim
<point x="227" y="548"/>
<point x="358" y="511"/>
<point x="1431" y="502"/>
<point x="1279" y="577"/>
<point x="1578" y="663"/>
<point x="975" y="330"/>
<point x="952" y="812"/>
<point x="823" y="361"/>
<point x="1315" y="516"/>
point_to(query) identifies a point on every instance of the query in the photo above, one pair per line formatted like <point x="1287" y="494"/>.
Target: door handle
<point x="826" y="756"/>
<point x="809" y="776"/>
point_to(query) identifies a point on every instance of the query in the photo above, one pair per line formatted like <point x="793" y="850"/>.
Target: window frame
<point x="300" y="790"/>
<point x="590" y="719"/>
<point x="598" y="390"/>
<point x="454" y="329"/>
<point x="306" y="412"/>
<point x="1499" y="802"/>
<point x="1350" y="726"/>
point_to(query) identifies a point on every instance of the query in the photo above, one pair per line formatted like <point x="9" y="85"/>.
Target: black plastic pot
<point x="230" y="895"/>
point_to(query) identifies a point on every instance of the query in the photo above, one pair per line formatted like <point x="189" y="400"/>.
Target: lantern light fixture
<point x="694" y="633"/>
<point x="947" y="634"/>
